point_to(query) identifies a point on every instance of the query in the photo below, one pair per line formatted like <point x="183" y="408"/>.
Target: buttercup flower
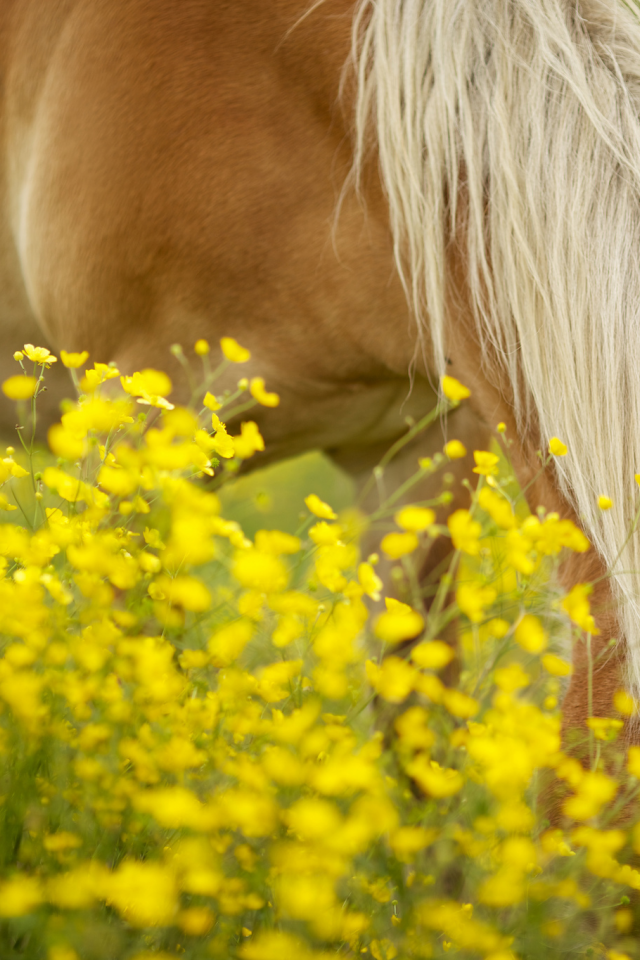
<point x="233" y="351"/>
<point x="19" y="387"/>
<point x="74" y="360"/>
<point x="276" y="764"/>
<point x="453" y="389"/>
<point x="39" y="355"/>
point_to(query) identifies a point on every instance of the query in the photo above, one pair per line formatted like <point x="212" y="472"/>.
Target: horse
<point x="366" y="195"/>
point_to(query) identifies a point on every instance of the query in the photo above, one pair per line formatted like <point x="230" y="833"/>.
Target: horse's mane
<point x="529" y="112"/>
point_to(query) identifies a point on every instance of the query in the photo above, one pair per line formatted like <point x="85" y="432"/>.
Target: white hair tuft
<point x="530" y="110"/>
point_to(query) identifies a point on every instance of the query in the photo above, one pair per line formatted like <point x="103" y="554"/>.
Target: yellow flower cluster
<point x="212" y="749"/>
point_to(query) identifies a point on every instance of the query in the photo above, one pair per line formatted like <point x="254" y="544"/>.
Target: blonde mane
<point x="536" y="104"/>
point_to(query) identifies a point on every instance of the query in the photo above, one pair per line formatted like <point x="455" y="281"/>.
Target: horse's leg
<point x="599" y="665"/>
<point x="599" y="661"/>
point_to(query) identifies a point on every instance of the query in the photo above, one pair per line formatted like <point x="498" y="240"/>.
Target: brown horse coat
<point x="171" y="169"/>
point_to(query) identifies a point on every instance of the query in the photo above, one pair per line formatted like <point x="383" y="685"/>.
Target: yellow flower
<point x="72" y="489"/>
<point x="97" y="414"/>
<point x="576" y="604"/>
<point x="503" y="889"/>
<point x="415" y="519"/>
<point x="233" y="351"/>
<point x="150" y="387"/>
<point x="383" y="950"/>
<point x="64" y="444"/>
<point x="222" y="443"/>
<point x="227" y="643"/>
<point x="413" y="730"/>
<point x="556" y="666"/>
<point x="554" y="534"/>
<point x="605" y="503"/>
<point x="435" y="780"/>
<point x="201" y="347"/>
<point x="459" y="704"/>
<point x="39" y="354"/>
<point x="473" y="599"/>
<point x="116" y="480"/>
<point x="625" y="703"/>
<point x="394" y="680"/>
<point x="260" y="571"/>
<point x="319" y="508"/>
<point x="196" y="921"/>
<point x="61" y="841"/>
<point x="397" y="545"/>
<point x="313" y="819"/>
<point x="552" y="842"/>
<point x="249" y="441"/>
<point x="369" y="580"/>
<point x="486" y="463"/>
<point x="210" y="402"/>
<point x="193" y="659"/>
<point x="144" y="893"/>
<point x="593" y="791"/>
<point x="465" y="532"/>
<point x="624" y="922"/>
<point x="407" y="841"/>
<point x="454" y="390"/>
<point x="511" y="678"/>
<point x="557" y="447"/>
<point x="175" y="807"/>
<point x="19" y="895"/>
<point x="325" y="534"/>
<point x="455" y="450"/>
<point x="633" y="762"/>
<point x="304" y="897"/>
<point x="74" y="360"/>
<point x="605" y="728"/>
<point x="432" y="655"/>
<point x="101" y="372"/>
<point x="274" y="945"/>
<point x="399" y="622"/>
<point x="184" y="592"/>
<point x="501" y="513"/>
<point x="277" y="542"/>
<point x="258" y="392"/>
<point x="531" y="635"/>
<point x="19" y="387"/>
<point x="60" y="952"/>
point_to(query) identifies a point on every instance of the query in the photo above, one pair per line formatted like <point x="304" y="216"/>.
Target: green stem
<point x="398" y="445"/>
<point x="239" y="409"/>
<point x="22" y="510"/>
<point x="385" y="511"/>
<point x="446" y="582"/>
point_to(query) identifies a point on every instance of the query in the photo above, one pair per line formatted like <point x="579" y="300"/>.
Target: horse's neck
<point x="310" y="42"/>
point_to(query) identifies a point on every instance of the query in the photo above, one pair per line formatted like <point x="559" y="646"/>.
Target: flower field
<point x="211" y="747"/>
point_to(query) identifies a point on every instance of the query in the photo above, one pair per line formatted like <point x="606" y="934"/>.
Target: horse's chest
<point x="169" y="180"/>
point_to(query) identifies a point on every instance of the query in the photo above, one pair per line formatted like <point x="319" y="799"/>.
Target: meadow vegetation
<point x="211" y="748"/>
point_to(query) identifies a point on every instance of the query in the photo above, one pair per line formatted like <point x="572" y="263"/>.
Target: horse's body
<point x="171" y="169"/>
